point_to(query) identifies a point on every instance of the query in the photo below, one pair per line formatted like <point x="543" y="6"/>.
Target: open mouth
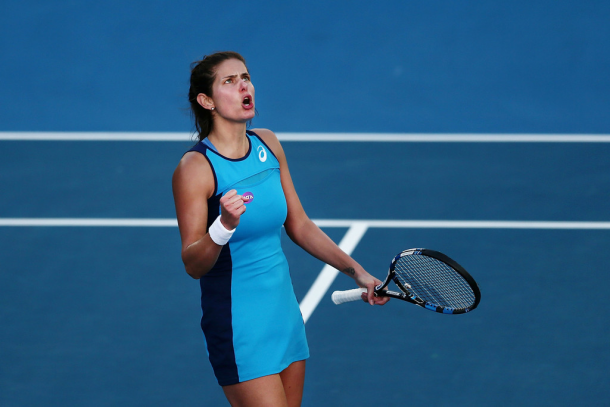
<point x="247" y="101"/>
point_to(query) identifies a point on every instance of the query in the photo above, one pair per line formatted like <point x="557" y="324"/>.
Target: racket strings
<point x="434" y="281"/>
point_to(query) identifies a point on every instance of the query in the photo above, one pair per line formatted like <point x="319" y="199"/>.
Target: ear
<point x="205" y="101"/>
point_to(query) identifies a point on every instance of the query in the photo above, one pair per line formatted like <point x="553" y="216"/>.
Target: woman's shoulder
<point x="265" y="134"/>
<point x="270" y="139"/>
<point x="193" y="160"/>
<point x="194" y="169"/>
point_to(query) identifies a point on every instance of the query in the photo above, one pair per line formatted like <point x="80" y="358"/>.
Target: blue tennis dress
<point x="251" y="319"/>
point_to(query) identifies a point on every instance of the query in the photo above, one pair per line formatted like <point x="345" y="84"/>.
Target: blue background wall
<point x="383" y="66"/>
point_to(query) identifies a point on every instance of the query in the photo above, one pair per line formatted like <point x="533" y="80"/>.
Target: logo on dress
<point x="262" y="154"/>
<point x="248" y="197"/>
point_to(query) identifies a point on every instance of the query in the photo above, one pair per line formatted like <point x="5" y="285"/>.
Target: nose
<point x="243" y="84"/>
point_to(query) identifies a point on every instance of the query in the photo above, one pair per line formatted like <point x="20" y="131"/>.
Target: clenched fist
<point x="231" y="208"/>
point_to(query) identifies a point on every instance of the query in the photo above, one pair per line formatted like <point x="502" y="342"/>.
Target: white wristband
<point x="219" y="234"/>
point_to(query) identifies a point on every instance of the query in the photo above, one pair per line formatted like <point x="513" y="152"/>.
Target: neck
<point x="229" y="138"/>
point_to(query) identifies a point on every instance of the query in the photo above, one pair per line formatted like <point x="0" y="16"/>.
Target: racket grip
<point x="339" y="297"/>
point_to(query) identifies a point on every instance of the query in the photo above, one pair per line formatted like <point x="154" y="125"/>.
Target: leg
<point x="277" y="390"/>
<point x="293" y="379"/>
<point x="266" y="391"/>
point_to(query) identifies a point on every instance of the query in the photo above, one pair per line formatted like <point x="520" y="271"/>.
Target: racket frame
<point x="411" y="297"/>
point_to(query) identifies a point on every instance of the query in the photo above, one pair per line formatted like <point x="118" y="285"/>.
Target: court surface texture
<point x="97" y="310"/>
<point x="481" y="131"/>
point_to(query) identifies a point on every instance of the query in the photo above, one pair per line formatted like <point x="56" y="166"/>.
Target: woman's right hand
<point x="231" y="208"/>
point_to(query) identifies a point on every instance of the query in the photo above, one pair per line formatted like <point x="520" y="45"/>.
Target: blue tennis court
<point x="105" y="315"/>
<point x="95" y="307"/>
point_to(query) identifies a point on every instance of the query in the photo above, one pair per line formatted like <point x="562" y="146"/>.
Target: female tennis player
<point x="233" y="192"/>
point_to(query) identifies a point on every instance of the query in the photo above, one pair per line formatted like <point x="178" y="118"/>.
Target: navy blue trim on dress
<point x="250" y="132"/>
<point x="232" y="159"/>
<point x="201" y="148"/>
<point x="216" y="319"/>
<point x="208" y="143"/>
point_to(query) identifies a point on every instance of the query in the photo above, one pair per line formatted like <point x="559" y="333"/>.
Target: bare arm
<point x="193" y="185"/>
<point x="309" y="236"/>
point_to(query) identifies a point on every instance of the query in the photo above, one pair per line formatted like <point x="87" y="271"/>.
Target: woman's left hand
<point x="365" y="280"/>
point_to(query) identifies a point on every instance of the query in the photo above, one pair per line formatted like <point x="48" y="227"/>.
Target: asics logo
<point x="262" y="154"/>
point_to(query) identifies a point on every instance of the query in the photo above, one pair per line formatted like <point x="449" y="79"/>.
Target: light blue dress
<point x="251" y="319"/>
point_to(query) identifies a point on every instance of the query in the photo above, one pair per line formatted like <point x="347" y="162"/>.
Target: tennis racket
<point x="426" y="278"/>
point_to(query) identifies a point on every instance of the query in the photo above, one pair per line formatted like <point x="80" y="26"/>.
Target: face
<point x="233" y="92"/>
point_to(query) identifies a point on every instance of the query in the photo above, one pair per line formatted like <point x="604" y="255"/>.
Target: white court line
<point x="464" y="224"/>
<point x="319" y="137"/>
<point x="95" y="136"/>
<point x="86" y="222"/>
<point x="357" y="229"/>
<point x="329" y="223"/>
<point x="447" y="138"/>
<point x="327" y="275"/>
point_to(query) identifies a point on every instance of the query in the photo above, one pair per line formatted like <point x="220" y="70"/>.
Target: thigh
<point x="293" y="379"/>
<point x="266" y="391"/>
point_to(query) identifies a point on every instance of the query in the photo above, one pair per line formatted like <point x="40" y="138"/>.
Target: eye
<point x="229" y="80"/>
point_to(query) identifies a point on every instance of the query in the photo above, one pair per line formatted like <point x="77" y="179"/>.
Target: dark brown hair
<point x="203" y="74"/>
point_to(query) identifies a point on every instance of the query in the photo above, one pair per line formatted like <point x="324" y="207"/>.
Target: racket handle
<point x="339" y="297"/>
